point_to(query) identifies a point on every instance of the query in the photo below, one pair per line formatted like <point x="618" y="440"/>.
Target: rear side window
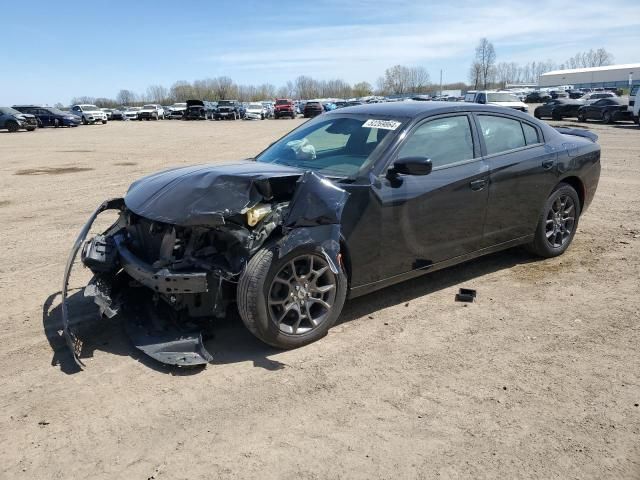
<point x="530" y="134"/>
<point x="444" y="140"/>
<point x="501" y="134"/>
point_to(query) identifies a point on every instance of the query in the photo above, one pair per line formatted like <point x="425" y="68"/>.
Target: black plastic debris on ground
<point x="466" y="295"/>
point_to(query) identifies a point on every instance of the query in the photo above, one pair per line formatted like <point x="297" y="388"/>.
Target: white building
<point x="610" y="76"/>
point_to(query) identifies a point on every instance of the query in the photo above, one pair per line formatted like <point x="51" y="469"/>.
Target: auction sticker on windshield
<point x="382" y="124"/>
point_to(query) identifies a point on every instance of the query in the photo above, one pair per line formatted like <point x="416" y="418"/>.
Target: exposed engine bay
<point x="182" y="239"/>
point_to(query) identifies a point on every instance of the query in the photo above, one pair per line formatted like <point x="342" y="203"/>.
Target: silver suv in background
<point x="89" y="114"/>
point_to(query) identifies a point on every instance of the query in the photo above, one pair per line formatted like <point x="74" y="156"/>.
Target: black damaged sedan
<point x="348" y="203"/>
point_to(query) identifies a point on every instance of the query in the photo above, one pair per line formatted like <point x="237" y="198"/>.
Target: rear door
<point x="522" y="172"/>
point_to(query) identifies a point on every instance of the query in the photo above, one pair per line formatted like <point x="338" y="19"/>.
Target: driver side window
<point x="445" y="141"/>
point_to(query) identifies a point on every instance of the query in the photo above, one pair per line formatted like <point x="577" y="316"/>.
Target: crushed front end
<point x="173" y="258"/>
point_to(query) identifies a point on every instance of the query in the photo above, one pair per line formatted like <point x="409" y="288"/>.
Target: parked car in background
<point x="151" y="111"/>
<point x="609" y="110"/>
<point x="108" y="112"/>
<point x="255" y="111"/>
<point x="117" y="114"/>
<point x="500" y="99"/>
<point x="131" y="113"/>
<point x="229" y="110"/>
<point x="313" y="109"/>
<point x="575" y="94"/>
<point x="634" y="103"/>
<point x="89" y="114"/>
<point x="14" y="120"/>
<point x="176" y="111"/>
<point x="49" y="116"/>
<point x="537" y="97"/>
<point x="269" y="108"/>
<point x="593" y="96"/>
<point x="195" y="110"/>
<point x="328" y="106"/>
<point x="558" y="94"/>
<point x="284" y="107"/>
<point x="559" y="109"/>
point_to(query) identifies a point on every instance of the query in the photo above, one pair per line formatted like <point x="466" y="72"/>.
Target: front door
<point x="431" y="218"/>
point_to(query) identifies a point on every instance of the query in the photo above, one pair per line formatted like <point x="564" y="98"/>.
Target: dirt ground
<point x="540" y="378"/>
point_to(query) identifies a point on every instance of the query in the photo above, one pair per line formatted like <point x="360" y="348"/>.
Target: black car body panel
<point x="185" y="234"/>
<point x="607" y="109"/>
<point x="229" y="110"/>
<point x="50" y="117"/>
<point x="312" y="109"/>
<point x="14" y="120"/>
<point x="558" y="109"/>
<point x="195" y="110"/>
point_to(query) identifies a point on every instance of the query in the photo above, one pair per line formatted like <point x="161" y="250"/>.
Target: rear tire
<point x="607" y="118"/>
<point x="557" y="223"/>
<point x="104" y="122"/>
<point x="56" y="123"/>
<point x="262" y="297"/>
<point x="582" y="117"/>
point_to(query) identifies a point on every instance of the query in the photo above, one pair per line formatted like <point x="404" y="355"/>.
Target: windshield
<point x="337" y="145"/>
<point x="9" y="111"/>
<point x="225" y="103"/>
<point x="502" y="97"/>
<point x="255" y="106"/>
<point x="89" y="108"/>
<point x="149" y="107"/>
<point x="282" y="102"/>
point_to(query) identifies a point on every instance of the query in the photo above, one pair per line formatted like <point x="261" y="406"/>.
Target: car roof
<point x="419" y="109"/>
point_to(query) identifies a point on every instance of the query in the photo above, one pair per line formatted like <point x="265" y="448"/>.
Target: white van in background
<point x="502" y="99"/>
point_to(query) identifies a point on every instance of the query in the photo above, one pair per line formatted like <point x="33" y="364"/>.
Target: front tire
<point x="84" y="120"/>
<point x="607" y="118"/>
<point x="291" y="301"/>
<point x="582" y="117"/>
<point x="557" y="223"/>
<point x="13" y="127"/>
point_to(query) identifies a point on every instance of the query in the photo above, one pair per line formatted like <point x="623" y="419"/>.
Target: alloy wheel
<point x="560" y="221"/>
<point x="302" y="294"/>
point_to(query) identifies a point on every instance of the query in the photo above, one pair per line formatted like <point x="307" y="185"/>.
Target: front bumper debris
<point x="170" y="269"/>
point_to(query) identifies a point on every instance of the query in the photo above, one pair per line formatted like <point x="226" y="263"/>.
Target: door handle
<point x="478" y="184"/>
<point x="547" y="164"/>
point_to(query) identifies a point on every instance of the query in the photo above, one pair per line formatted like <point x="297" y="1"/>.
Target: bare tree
<point x="80" y="100"/>
<point x="157" y="94"/>
<point x="306" y="87"/>
<point x="592" y="58"/>
<point x="181" y="91"/>
<point x="475" y="75"/>
<point x="125" y="97"/>
<point x="486" y="58"/>
<point x="401" y="79"/>
<point x="362" y="89"/>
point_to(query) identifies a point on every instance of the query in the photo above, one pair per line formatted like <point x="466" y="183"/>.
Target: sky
<point x="54" y="51"/>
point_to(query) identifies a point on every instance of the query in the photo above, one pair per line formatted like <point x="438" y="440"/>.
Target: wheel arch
<point x="578" y="186"/>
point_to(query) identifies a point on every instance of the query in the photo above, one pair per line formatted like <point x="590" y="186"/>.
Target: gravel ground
<point x="537" y="379"/>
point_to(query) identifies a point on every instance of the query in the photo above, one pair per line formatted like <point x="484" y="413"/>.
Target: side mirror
<point x="411" y="166"/>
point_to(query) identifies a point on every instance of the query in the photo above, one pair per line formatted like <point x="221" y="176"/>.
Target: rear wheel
<point x="557" y="223"/>
<point x="582" y="117"/>
<point x="291" y="301"/>
<point x="606" y="117"/>
<point x="56" y="122"/>
<point x="104" y="122"/>
<point x="555" y="115"/>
